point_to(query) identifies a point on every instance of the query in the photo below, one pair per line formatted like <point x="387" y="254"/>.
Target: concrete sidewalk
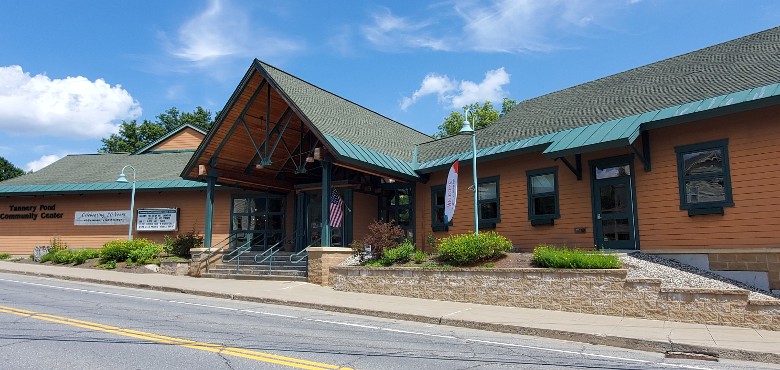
<point x="633" y="333"/>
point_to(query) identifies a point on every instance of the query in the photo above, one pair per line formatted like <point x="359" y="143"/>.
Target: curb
<point x="596" y="339"/>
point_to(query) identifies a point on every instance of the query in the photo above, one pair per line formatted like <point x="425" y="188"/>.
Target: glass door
<point x="313" y="221"/>
<point x="257" y="221"/>
<point x="614" y="206"/>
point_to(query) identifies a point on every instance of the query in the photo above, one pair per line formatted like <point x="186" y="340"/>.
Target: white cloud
<point x="390" y="32"/>
<point x="456" y="94"/>
<point x="221" y="32"/>
<point x="69" y="107"/>
<point x="491" y="88"/>
<point x="431" y="84"/>
<point x="42" y="162"/>
<point x="514" y="26"/>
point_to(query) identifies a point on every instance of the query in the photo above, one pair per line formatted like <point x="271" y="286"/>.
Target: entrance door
<point x="257" y="221"/>
<point x="614" y="204"/>
<point x="313" y="223"/>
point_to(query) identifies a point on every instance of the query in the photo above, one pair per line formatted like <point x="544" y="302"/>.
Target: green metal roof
<point x="9" y="190"/>
<point x="622" y="131"/>
<point x="372" y="157"/>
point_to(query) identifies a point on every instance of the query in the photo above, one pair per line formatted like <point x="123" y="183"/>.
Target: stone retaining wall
<point x="605" y="292"/>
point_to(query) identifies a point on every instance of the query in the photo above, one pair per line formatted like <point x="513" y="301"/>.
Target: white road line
<point x="681" y="366"/>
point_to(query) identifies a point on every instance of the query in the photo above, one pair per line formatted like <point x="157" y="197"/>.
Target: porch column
<point x="211" y="181"/>
<point x="325" y="235"/>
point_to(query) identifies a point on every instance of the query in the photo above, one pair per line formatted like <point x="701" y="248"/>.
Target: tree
<point x="8" y="170"/>
<point x="482" y="115"/>
<point x="172" y="118"/>
<point x="132" y="137"/>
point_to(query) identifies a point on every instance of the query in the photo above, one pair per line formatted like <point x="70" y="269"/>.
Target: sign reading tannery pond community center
<point x="156" y="219"/>
<point x="91" y="218"/>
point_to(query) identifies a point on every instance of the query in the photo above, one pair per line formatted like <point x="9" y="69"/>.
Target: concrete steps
<point x="276" y="267"/>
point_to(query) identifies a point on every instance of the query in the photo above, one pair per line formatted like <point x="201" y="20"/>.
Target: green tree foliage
<point x="172" y="118"/>
<point x="483" y="116"/>
<point x="133" y="136"/>
<point x="8" y="170"/>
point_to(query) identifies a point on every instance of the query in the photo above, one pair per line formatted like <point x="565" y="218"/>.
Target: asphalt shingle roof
<point x="744" y="63"/>
<point x="79" y="172"/>
<point x="337" y="117"/>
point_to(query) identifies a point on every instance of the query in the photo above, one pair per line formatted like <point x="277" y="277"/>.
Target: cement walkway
<point x="640" y="334"/>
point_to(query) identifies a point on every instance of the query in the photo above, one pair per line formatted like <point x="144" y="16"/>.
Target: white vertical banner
<point x="451" y="194"/>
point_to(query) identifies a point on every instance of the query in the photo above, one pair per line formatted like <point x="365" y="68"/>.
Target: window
<point x="437" y="208"/>
<point x="397" y="203"/>
<point x="705" y="180"/>
<point x="543" y="196"/>
<point x="489" y="211"/>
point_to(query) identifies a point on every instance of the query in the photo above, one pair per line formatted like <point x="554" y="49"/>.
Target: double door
<point x="257" y="221"/>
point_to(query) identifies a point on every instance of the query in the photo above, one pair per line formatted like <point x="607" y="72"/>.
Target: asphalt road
<point x="57" y="324"/>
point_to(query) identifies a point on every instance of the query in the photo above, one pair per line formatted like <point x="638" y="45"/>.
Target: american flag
<point x="336" y="209"/>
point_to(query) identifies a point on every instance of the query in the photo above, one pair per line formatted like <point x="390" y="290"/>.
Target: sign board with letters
<point x="92" y="218"/>
<point x="157" y="219"/>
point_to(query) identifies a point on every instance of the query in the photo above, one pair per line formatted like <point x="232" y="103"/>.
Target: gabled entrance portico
<point x="302" y="155"/>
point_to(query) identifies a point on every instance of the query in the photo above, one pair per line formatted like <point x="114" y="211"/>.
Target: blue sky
<point x="71" y="71"/>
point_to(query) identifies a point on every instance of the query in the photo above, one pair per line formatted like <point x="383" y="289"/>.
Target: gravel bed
<point x="677" y="275"/>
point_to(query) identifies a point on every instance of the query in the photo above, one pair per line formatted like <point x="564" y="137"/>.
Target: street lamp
<point x="469" y="130"/>
<point x="122" y="178"/>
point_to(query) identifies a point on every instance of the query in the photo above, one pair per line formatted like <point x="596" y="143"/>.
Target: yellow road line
<point x="203" y="346"/>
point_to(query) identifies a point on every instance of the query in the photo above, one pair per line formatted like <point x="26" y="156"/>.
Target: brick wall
<point x="606" y="292"/>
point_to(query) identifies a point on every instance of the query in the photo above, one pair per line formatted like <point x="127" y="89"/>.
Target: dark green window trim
<point x="435" y="224"/>
<point x="545" y="219"/>
<point x="712" y="207"/>
<point x="489" y="222"/>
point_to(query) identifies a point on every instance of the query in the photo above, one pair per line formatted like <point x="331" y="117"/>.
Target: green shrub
<point x="561" y="257"/>
<point x="4" y="256"/>
<point x="466" y="249"/>
<point x="134" y="250"/>
<point x="109" y="265"/>
<point x="83" y="255"/>
<point x="180" y="245"/>
<point x="116" y="250"/>
<point x="72" y="256"/>
<point x="419" y="256"/>
<point x="145" y="254"/>
<point x="381" y="235"/>
<point x="400" y="254"/>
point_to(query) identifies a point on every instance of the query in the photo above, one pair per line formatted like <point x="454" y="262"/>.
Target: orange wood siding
<point x="753" y="222"/>
<point x="515" y="225"/>
<point x="365" y="210"/>
<point x="21" y="236"/>
<point x="185" y="139"/>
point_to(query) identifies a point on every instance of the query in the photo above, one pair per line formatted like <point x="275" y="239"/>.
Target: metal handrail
<point x="220" y="246"/>
<point x="304" y="253"/>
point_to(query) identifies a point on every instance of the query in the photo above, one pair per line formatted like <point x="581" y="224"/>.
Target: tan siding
<point x="21" y="236"/>
<point x="185" y="139"/>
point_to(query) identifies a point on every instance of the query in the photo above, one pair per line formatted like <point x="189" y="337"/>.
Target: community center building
<point x="677" y="157"/>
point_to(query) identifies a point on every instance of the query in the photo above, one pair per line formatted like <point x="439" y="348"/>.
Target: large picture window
<point x="543" y="196"/>
<point x="704" y="177"/>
